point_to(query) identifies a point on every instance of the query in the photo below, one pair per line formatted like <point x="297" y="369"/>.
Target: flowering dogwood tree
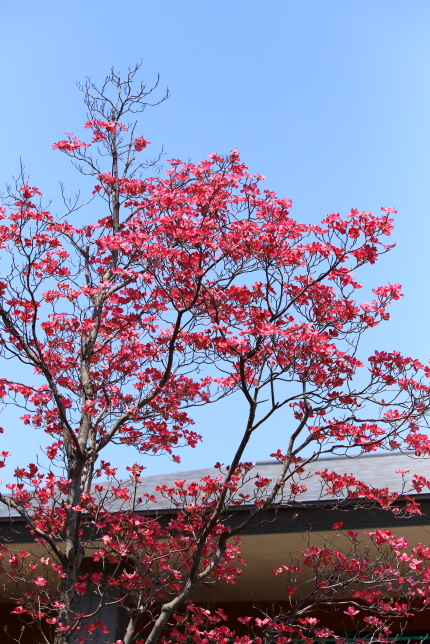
<point x="178" y="290"/>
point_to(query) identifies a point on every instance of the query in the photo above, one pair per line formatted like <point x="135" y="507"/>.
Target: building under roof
<point x="281" y="535"/>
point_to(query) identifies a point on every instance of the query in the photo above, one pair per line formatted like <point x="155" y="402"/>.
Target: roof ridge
<point x="350" y="458"/>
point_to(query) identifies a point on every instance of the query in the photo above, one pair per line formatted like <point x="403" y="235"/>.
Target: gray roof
<point x="377" y="470"/>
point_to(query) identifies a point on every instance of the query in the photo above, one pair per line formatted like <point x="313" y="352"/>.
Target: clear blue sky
<point x="330" y="99"/>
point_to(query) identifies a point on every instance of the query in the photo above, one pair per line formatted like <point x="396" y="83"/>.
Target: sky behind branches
<point x="329" y="99"/>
